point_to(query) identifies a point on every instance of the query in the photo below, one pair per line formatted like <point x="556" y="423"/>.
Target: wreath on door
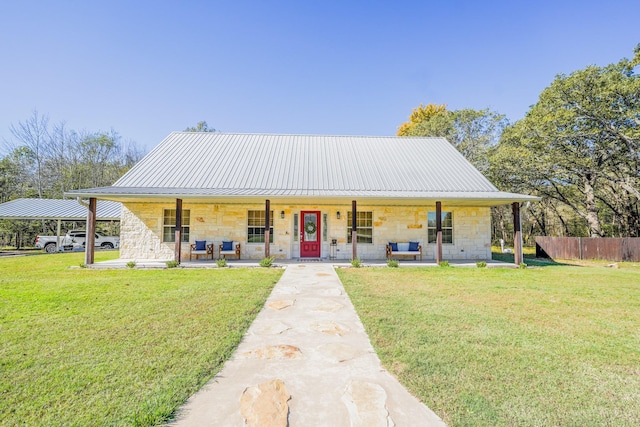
<point x="310" y="227"/>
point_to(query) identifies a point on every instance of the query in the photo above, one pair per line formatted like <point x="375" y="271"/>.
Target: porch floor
<point x="159" y="264"/>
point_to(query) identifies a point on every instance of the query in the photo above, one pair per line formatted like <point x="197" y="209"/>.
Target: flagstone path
<point x="305" y="361"/>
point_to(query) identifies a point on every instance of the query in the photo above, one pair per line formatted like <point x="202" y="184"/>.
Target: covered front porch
<point x="298" y="229"/>
<point x="122" y="263"/>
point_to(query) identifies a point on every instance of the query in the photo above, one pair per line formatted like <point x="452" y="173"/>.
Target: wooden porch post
<point x="517" y="234"/>
<point x="354" y="231"/>
<point x="90" y="241"/>
<point x="178" y="234"/>
<point x="267" y="231"/>
<point x="438" y="232"/>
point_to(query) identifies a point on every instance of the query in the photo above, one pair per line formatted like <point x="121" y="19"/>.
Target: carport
<point x="58" y="210"/>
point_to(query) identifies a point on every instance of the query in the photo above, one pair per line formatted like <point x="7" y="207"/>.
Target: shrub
<point x="131" y="264"/>
<point x="481" y="264"/>
<point x="444" y="264"/>
<point x="356" y="262"/>
<point x="267" y="262"/>
<point x="393" y="263"/>
<point x="172" y="263"/>
<point x="222" y="262"/>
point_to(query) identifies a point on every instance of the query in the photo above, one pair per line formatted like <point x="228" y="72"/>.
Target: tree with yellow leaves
<point x="421" y="114"/>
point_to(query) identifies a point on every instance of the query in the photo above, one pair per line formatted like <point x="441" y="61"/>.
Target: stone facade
<point x="142" y="230"/>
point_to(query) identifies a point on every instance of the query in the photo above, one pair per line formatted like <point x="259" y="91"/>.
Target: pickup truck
<point x="75" y="239"/>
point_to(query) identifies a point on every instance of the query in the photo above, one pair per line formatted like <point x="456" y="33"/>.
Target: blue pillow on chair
<point x="413" y="246"/>
<point x="227" y="246"/>
<point x="394" y="246"/>
<point x="201" y="245"/>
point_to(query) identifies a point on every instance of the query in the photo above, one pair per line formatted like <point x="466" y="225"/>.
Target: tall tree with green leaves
<point x="472" y="132"/>
<point x="580" y="145"/>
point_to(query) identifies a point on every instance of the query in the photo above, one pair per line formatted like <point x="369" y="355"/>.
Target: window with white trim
<point x="169" y="226"/>
<point x="255" y="226"/>
<point x="364" y="226"/>
<point x="447" y="227"/>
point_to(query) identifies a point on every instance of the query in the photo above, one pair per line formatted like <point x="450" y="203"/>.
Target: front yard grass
<point x="83" y="347"/>
<point x="552" y="346"/>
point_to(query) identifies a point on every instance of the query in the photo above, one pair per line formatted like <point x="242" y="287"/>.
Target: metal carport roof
<point x="57" y="209"/>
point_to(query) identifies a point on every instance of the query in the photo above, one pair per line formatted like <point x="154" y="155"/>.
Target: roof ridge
<point x="308" y="134"/>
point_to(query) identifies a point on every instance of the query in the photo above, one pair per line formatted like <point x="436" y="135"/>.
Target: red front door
<point x="309" y="234"/>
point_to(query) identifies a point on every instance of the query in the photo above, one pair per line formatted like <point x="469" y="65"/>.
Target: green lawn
<point x="547" y="346"/>
<point x="83" y="347"/>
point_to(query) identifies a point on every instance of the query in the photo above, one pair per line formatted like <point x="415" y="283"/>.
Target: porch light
<point x="282" y="214"/>
<point x="338" y="215"/>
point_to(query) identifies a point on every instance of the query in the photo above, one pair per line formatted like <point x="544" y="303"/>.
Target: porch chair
<point x="201" y="247"/>
<point x="229" y="248"/>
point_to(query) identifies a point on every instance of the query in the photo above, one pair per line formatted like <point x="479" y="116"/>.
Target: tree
<point x="45" y="162"/>
<point x="14" y="174"/>
<point x="472" y="132"/>
<point x="200" y="127"/>
<point x="422" y="113"/>
<point x="33" y="134"/>
<point x="580" y="146"/>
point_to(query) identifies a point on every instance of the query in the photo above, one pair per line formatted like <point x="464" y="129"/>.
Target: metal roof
<point x="65" y="210"/>
<point x="200" y="164"/>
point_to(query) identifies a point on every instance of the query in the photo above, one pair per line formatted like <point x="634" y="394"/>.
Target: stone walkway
<point x="305" y="361"/>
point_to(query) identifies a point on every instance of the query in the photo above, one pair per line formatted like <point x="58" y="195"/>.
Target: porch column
<point x="267" y="230"/>
<point x="90" y="241"/>
<point x="517" y="234"/>
<point x="354" y="231"/>
<point x="178" y="234"/>
<point x="438" y="232"/>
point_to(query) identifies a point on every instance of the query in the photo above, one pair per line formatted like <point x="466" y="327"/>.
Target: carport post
<point x="90" y="241"/>
<point x="58" y="248"/>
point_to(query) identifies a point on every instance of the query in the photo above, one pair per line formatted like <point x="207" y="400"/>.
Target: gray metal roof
<point x="201" y="164"/>
<point x="66" y="210"/>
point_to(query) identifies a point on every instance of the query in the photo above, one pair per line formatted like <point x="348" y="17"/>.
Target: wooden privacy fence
<point x="607" y="248"/>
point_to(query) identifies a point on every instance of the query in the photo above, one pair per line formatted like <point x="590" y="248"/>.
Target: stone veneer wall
<point x="141" y="230"/>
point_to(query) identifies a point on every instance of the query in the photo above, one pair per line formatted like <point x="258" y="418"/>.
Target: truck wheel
<point x="107" y="245"/>
<point x="50" y="248"/>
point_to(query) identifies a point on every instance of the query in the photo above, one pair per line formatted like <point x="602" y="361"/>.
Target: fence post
<point x="580" y="247"/>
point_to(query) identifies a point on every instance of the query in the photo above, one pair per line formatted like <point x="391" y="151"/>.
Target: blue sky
<point x="146" y="68"/>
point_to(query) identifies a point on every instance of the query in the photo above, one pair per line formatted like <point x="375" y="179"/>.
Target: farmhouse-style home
<point x="304" y="196"/>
